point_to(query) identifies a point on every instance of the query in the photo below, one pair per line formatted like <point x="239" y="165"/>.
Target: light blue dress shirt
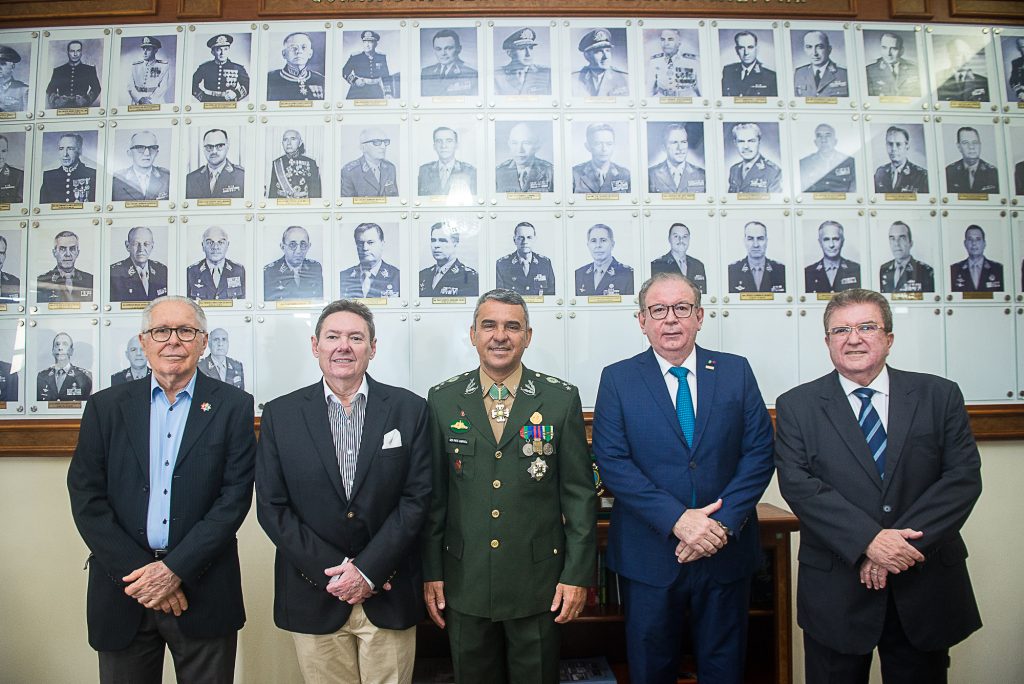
<point x="166" y="428"/>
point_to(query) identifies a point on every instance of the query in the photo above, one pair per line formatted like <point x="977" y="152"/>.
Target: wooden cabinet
<point x="600" y="631"/>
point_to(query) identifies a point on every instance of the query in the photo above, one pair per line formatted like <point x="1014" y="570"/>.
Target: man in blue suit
<point x="683" y="537"/>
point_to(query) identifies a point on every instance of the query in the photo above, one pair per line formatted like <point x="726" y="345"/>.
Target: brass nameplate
<point x="825" y="296"/>
<point x="757" y="297"/>
<point x="829" y="196"/>
<point x="144" y="108"/>
<point x="214" y="202"/>
<point x="133" y="306"/>
<point x="533" y="299"/>
<point x="64" y="404"/>
<point x="141" y="204"/>
<point x="604" y="299"/>
<point x="516" y="196"/>
<point x="64" y="306"/>
<point x="907" y="296"/>
<point x="3" y="307"/>
<point x="979" y="196"/>
<point x="821" y="100"/>
<point x="601" y="196"/>
<point x="896" y="99"/>
<point x="978" y="295"/>
<point x="216" y="303"/>
<point x="675" y="100"/>
<point x="5" y="206"/>
<point x="220" y="105"/>
<point x="960" y="104"/>
<point x="369" y="200"/>
<point x="62" y="206"/>
<point x="373" y="301"/>
<point x="73" y="111"/>
<point x="295" y="104"/>
<point x="370" y="103"/>
<point x="676" y="196"/>
<point x="1020" y="105"/>
<point x="600" y="100"/>
<point x="750" y="100"/>
<point x="7" y="115"/>
<point x="744" y="196"/>
<point x="447" y="300"/>
<point x="3" y="405"/>
<point x="293" y="304"/>
<point x="292" y="202"/>
<point x="900" y="196"/>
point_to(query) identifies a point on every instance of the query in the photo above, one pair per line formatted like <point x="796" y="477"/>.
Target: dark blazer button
<point x="693" y="465"/>
<point x="887" y="508"/>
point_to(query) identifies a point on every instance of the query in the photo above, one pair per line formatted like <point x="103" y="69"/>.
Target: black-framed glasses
<point x="660" y="311"/>
<point x="185" y="333"/>
<point x="864" y="329"/>
<point x="378" y="142"/>
<point x="152" y="149"/>
<point x="214" y="146"/>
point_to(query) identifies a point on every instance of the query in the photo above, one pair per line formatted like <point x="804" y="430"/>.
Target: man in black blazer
<point x="160" y="517"/>
<point x="343" y="472"/>
<point x="882" y="470"/>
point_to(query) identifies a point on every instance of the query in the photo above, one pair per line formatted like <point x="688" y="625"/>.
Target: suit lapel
<point x="707" y="380"/>
<point x="902" y="408"/>
<point x="837" y="408"/>
<point x="319" y="427"/>
<point x="135" y="411"/>
<point x="198" y="419"/>
<point x="378" y="408"/>
<point x="650" y="372"/>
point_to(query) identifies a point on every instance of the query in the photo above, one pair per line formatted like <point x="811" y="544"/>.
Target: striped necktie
<point x="684" y="404"/>
<point x="871" y="425"/>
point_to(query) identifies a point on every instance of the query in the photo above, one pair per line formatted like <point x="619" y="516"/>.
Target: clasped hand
<point x="347" y="583"/>
<point x="699" y="535"/>
<point x="155" y="586"/>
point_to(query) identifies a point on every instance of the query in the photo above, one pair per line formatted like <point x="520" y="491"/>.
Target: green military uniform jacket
<point x="495" y="534"/>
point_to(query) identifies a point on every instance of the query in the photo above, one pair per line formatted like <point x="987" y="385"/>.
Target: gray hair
<point x="505" y="297"/>
<point x="349" y="306"/>
<point x="856" y="296"/>
<point x="660" y="277"/>
<point x="197" y="311"/>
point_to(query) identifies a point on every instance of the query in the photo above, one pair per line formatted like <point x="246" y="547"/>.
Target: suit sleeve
<point x="211" y="535"/>
<point x="579" y="504"/>
<point x="296" y="541"/>
<point x="631" y="487"/>
<point x="433" y="535"/>
<point x="754" y="467"/>
<point x="401" y="529"/>
<point x="842" y="525"/>
<point x="942" y="509"/>
<point x="114" y="548"/>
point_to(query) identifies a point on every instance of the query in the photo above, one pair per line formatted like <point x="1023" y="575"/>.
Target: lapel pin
<point x="205" y="407"/>
<point x="710" y="365"/>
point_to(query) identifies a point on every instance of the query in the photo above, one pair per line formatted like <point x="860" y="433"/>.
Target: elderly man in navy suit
<point x="683" y="438"/>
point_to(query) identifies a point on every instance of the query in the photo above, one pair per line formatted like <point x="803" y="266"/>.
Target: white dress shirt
<point x="880" y="399"/>
<point x="672" y="383"/>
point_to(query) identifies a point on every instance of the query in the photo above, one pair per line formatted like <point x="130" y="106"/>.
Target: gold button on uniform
<point x="350" y="515"/>
<point x="497" y="454"/>
<point x="554" y="551"/>
<point x="495" y="543"/>
<point x="495" y="513"/>
<point x="496" y="484"/>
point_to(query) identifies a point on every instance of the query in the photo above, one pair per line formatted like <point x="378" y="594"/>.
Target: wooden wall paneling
<point x="62" y="9"/>
<point x="911" y="9"/>
<point x="1001" y="9"/>
<point x="199" y="9"/>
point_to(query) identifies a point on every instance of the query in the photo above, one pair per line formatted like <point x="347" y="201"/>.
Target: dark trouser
<point x="205" y="661"/>
<point x="901" y="662"/>
<point x="717" y="618"/>
<point x="520" y="651"/>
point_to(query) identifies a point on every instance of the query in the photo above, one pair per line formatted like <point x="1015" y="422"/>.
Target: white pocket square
<point x="392" y="439"/>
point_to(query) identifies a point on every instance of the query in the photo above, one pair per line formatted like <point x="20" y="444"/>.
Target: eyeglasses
<point x="163" y="334"/>
<point x="864" y="329"/>
<point x="660" y="311"/>
<point x="152" y="149"/>
<point x="215" y="146"/>
<point x="293" y="245"/>
<point x="378" y="142"/>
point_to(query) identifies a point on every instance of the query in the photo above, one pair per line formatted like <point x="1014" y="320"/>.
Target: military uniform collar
<point x="72" y="169"/>
<point x="511" y="383"/>
<point x="447" y="266"/>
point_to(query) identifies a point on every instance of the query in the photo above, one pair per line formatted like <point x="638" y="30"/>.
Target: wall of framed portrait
<point x="264" y="169"/>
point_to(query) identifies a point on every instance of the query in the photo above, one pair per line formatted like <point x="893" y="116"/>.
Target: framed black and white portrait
<point x="753" y="169"/>
<point x="141" y="166"/>
<point x="748" y="62"/>
<point x="17" y="74"/>
<point x="371" y="156"/>
<point x="682" y="241"/>
<point x="906" y="246"/>
<point x="221" y="61"/>
<point x="604" y="252"/>
<point x="831" y="251"/>
<point x="372" y="257"/>
<point x="827" y="160"/>
<point x="449" y="155"/>
<point x="677" y="160"/>
<point x="524" y="60"/>
<point x="296" y="166"/>
<point x="17" y="191"/>
<point x="449" y="62"/>
<point x="147" y="65"/>
<point x="292" y="253"/>
<point x="74" y="71"/>
<point x="122" y="358"/>
<point x="900" y="157"/>
<point x="12" y="266"/>
<point x="598" y="63"/>
<point x="69" y="172"/>
<point x="12" y="366"/>
<point x="972" y="159"/>
<point x="1010" y="44"/>
<point x="528" y="163"/>
<point x="675" y="60"/>
<point x="449" y="257"/>
<point x="757" y="256"/>
<point x="820" y="60"/>
<point x="601" y="154"/>
<point x="217" y="260"/>
<point x="977" y="252"/>
<point x="216" y="162"/>
<point x="893" y="66"/>
<point x="294" y="61"/>
<point x="140" y="261"/>
<point x="963" y="68"/>
<point x="527" y="252"/>
<point x="372" y="55"/>
<point x="229" y="350"/>
<point x="64" y="266"/>
<point x="63" y="359"/>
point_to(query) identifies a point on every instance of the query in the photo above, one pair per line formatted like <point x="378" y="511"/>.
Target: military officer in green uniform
<point x="510" y="544"/>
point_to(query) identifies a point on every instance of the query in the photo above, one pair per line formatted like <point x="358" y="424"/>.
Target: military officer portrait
<point x="149" y="74"/>
<point x="75" y="83"/>
<point x="143" y="179"/>
<point x="366" y="70"/>
<point x="301" y="76"/>
<point x="10" y="377"/>
<point x="525" y="271"/>
<point x="72" y="181"/>
<point x="904" y="273"/>
<point x="964" y="79"/>
<point x="293" y="276"/>
<point x="754" y="173"/>
<point x="448" y="276"/>
<point x="139" y="278"/>
<point x="894" y="71"/>
<point x="599" y="76"/>
<point x="1013" y="58"/>
<point x="832" y="272"/>
<point x="447" y="175"/>
<point x="510" y="545"/>
<point x="605" y="275"/>
<point x="820" y="76"/>
<point x="976" y="273"/>
<point x="828" y="169"/>
<point x="65" y="282"/>
<point x="970" y="174"/>
<point x="756" y="272"/>
<point x="219" y="177"/>
<point x="371" y="174"/>
<point x="678" y="160"/>
<point x="63" y="381"/>
<point x="522" y="75"/>
<point x="10" y="284"/>
<point x="13" y="91"/>
<point x="138" y="366"/>
<point x="523" y="171"/>
<point x="12" y="178"/>
<point x="750" y="76"/>
<point x="673" y="63"/>
<point x="372" y="277"/>
<point x="218" y="365"/>
<point x="677" y="259"/>
<point x="215" y="276"/>
<point x="447" y="73"/>
<point x="222" y="79"/>
<point x="293" y="175"/>
<point x="900" y="175"/>
<point x="600" y="174"/>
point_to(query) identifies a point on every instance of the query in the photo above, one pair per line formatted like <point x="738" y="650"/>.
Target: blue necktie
<point x="871" y="426"/>
<point x="684" y="404"/>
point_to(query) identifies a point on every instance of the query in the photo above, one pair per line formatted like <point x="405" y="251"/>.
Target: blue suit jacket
<point x="655" y="476"/>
